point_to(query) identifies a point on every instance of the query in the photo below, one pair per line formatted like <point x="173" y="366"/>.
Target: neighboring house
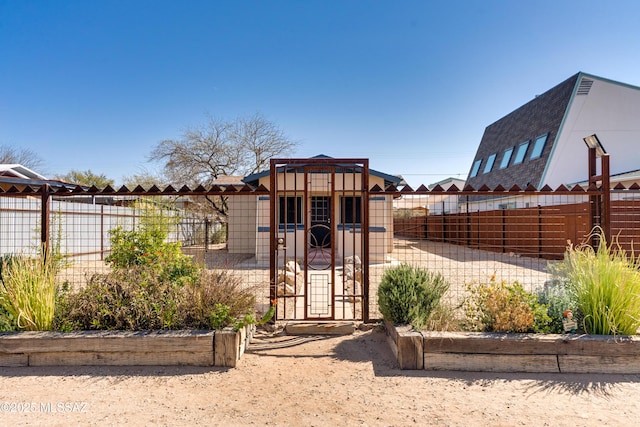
<point x="18" y="171"/>
<point x="305" y="203"/>
<point x="541" y="143"/>
<point x="435" y="203"/>
<point x="18" y="176"/>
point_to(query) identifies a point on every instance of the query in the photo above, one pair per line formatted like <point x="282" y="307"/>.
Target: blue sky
<point x="411" y="85"/>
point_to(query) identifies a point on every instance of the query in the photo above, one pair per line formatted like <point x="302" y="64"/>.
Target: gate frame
<point x="331" y="164"/>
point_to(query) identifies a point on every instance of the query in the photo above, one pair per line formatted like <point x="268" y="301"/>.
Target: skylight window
<point x="506" y="158"/>
<point x="489" y="165"/>
<point x="475" y="168"/>
<point x="522" y="151"/>
<point x="538" y="146"/>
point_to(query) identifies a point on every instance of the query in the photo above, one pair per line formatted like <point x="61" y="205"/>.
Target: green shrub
<point x="409" y="294"/>
<point x="7" y="322"/>
<point x="212" y="289"/>
<point x="153" y="285"/>
<point x="140" y="298"/>
<point x="558" y="298"/>
<point x="127" y="299"/>
<point x="27" y="292"/>
<point x="502" y="307"/>
<point x="605" y="284"/>
<point x="221" y="316"/>
<point x="220" y="235"/>
<point x="146" y="245"/>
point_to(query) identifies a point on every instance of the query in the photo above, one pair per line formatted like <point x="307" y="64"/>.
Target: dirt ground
<point x="312" y="381"/>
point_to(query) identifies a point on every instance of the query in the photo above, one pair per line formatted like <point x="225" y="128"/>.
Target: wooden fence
<point x="541" y="231"/>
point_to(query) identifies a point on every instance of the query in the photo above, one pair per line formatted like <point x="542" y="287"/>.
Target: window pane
<point x="350" y="210"/>
<point x="538" y="146"/>
<point x="476" y="168"/>
<point x="320" y="208"/>
<point x="506" y="158"/>
<point x="489" y="165"/>
<point x="290" y="212"/>
<point x="522" y="151"/>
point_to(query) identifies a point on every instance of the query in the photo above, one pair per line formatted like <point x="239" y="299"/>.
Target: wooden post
<point x="207" y="227"/>
<point x="539" y="231"/>
<point x="102" y="249"/>
<point x="504" y="230"/>
<point x="600" y="204"/>
<point x="444" y="225"/>
<point x="605" y="213"/>
<point x="273" y="233"/>
<point x="45" y="213"/>
<point x="365" y="239"/>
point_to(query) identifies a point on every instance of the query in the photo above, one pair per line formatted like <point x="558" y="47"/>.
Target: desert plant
<point x="443" y="317"/>
<point x="27" y="291"/>
<point x="220" y="235"/>
<point x="410" y="294"/>
<point x="502" y="307"/>
<point x="220" y="317"/>
<point x="129" y="299"/>
<point x="558" y="298"/>
<point x="215" y="289"/>
<point x="146" y="245"/>
<point x="7" y="322"/>
<point x="140" y="298"/>
<point x="605" y="283"/>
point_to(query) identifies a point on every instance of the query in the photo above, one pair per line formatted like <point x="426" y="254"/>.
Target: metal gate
<point x="319" y="244"/>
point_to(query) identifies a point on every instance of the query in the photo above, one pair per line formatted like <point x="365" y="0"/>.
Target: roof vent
<point x="584" y="87"/>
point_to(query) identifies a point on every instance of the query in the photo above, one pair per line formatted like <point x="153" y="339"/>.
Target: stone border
<point x="496" y="352"/>
<point x="121" y="348"/>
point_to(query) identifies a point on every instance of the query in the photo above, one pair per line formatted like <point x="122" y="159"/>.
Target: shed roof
<point x="388" y="179"/>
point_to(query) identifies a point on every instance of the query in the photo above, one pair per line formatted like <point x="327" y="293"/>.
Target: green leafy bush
<point x="605" y="284"/>
<point x="27" y="292"/>
<point x="409" y="294"/>
<point x="503" y="307"/>
<point x="146" y="245"/>
<point x="7" y="322"/>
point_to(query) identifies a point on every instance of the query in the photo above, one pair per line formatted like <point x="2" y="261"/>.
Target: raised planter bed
<point x="494" y="352"/>
<point x="120" y="348"/>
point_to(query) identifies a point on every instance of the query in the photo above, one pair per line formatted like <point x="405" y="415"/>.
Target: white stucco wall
<point x="242" y="224"/>
<point x="348" y="241"/>
<point x="610" y="110"/>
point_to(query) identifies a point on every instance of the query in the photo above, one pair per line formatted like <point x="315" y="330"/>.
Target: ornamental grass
<point x="28" y="291"/>
<point x="605" y="285"/>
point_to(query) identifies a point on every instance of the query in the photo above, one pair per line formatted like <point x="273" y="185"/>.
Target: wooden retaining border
<point x="497" y="352"/>
<point x="123" y="348"/>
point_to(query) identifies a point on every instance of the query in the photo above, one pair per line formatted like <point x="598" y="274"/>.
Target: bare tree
<point x="239" y="147"/>
<point x="22" y="156"/>
<point x="258" y="141"/>
<point x="145" y="179"/>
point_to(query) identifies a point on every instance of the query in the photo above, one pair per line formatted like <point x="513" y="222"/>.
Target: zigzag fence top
<point x="216" y="190"/>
